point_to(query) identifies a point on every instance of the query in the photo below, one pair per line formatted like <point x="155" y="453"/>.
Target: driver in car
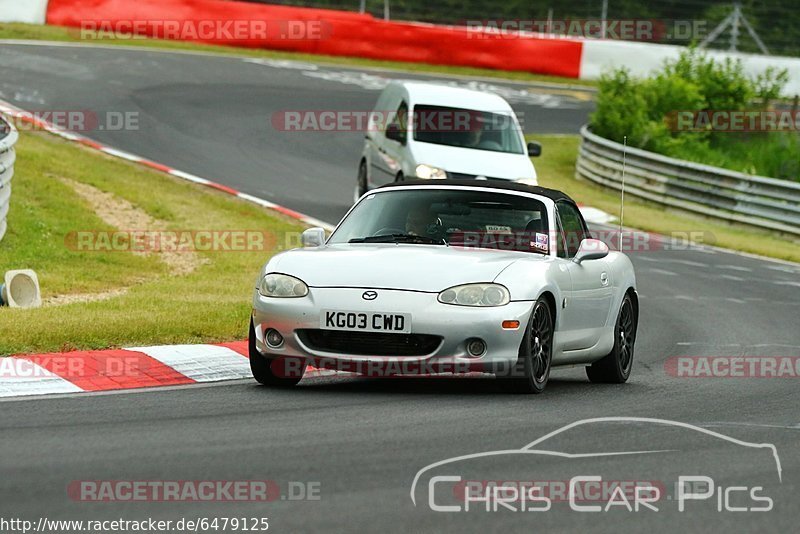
<point x="472" y="138"/>
<point x="420" y="221"/>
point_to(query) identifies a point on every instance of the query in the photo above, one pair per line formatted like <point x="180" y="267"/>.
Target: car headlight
<point x="476" y="295"/>
<point x="527" y="181"/>
<point x="282" y="286"/>
<point x="427" y="172"/>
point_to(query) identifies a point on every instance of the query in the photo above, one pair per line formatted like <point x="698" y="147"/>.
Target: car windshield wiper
<point x="399" y="238"/>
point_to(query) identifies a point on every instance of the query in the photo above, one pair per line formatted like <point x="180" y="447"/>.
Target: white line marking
<point x="782" y="268"/>
<point x="662" y="271"/>
<point x="735" y="268"/>
<point x="689" y="263"/>
<point x="705" y="344"/>
<point x="731" y="277"/>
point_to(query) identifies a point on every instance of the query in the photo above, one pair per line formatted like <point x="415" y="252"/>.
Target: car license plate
<point x="398" y="323"/>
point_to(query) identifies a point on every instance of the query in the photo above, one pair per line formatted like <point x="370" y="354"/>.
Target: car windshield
<point x="479" y="130"/>
<point x="452" y="217"/>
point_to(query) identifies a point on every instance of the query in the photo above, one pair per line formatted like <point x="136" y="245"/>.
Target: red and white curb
<point x="129" y="368"/>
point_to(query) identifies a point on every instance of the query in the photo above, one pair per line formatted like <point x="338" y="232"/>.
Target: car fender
<point x="623" y="278"/>
<point x="527" y="280"/>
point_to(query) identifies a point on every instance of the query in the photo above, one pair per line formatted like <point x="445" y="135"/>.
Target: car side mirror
<point x="394" y="133"/>
<point x="313" y="237"/>
<point x="591" y="249"/>
<point x="534" y="149"/>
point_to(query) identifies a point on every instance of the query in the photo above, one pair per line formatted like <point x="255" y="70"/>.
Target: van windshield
<point x="467" y="128"/>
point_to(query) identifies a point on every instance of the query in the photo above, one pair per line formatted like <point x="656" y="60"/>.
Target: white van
<point x="452" y="133"/>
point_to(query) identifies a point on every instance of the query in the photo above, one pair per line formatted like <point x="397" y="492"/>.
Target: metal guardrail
<point x="8" y="138"/>
<point x="759" y="201"/>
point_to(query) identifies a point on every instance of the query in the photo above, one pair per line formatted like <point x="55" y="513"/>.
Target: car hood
<point x="472" y="161"/>
<point x="430" y="268"/>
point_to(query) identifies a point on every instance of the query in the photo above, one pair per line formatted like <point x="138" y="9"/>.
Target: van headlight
<point x="428" y="172"/>
<point x="282" y="286"/>
<point x="476" y="295"/>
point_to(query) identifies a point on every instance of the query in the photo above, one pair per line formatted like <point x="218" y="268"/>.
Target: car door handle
<point x="604" y="279"/>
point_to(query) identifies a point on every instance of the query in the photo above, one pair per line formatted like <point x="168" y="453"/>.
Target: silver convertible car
<point x="432" y="276"/>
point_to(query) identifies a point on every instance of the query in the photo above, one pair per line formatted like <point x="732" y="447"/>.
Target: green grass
<point x="58" y="33"/>
<point x="556" y="169"/>
<point x="210" y="304"/>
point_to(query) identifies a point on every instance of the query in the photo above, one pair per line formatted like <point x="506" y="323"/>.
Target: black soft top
<point x="500" y="185"/>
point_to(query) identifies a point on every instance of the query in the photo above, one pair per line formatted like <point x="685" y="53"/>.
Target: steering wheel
<point x="389" y="230"/>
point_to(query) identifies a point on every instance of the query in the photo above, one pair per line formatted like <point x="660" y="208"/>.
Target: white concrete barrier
<point x="8" y="138"/>
<point x="31" y="11"/>
<point x="601" y="56"/>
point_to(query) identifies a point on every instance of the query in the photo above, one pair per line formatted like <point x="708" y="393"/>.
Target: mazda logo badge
<point x="369" y="295"/>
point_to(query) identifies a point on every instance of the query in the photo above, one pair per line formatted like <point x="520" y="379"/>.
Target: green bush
<point x="645" y="111"/>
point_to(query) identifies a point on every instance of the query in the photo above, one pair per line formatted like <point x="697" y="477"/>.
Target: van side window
<point x="401" y="117"/>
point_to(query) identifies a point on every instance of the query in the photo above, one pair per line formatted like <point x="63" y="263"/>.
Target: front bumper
<point x="454" y="324"/>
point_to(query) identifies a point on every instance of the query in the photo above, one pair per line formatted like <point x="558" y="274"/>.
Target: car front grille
<point x="369" y="343"/>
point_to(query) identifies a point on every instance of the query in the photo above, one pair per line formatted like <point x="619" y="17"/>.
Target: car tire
<point x="263" y="368"/>
<point x="361" y="181"/>
<point x="532" y="371"/>
<point x="615" y="367"/>
<point x="399" y="178"/>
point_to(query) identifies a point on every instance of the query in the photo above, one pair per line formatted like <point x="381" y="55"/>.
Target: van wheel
<point x="361" y="182"/>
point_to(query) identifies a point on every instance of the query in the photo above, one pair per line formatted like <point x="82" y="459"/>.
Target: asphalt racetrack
<point x="356" y="443"/>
